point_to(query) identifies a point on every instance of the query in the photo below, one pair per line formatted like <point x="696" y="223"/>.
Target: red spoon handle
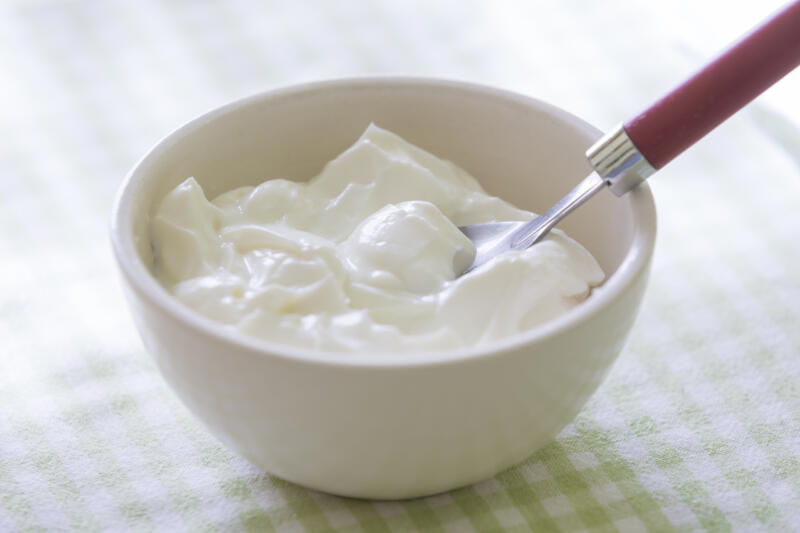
<point x="709" y="97"/>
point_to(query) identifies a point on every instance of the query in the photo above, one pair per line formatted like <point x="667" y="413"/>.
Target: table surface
<point x="696" y="427"/>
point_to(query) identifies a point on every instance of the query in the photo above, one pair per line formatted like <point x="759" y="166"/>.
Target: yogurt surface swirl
<point x="364" y="257"/>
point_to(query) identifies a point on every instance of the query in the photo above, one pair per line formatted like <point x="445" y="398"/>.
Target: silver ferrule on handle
<point x="617" y="160"/>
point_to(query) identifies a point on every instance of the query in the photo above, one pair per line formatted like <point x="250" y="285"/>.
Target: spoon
<point x="634" y="150"/>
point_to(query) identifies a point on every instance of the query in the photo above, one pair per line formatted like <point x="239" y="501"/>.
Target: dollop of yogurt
<point x="364" y="257"/>
<point x="410" y="246"/>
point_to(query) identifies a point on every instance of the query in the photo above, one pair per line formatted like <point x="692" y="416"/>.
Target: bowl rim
<point x="634" y="264"/>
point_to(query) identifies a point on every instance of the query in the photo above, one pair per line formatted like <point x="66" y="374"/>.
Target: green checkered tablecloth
<point x="698" y="424"/>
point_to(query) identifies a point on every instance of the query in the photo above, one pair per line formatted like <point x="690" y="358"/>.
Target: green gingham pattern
<point x="698" y="424"/>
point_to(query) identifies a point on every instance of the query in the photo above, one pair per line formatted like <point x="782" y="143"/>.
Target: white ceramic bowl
<point x="379" y="426"/>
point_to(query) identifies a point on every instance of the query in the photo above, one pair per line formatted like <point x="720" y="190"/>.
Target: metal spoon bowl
<point x="494" y="238"/>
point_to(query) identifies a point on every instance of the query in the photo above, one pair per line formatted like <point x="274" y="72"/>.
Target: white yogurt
<point x="363" y="257"/>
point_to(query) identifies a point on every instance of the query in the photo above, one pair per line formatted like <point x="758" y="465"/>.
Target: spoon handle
<point x="683" y="116"/>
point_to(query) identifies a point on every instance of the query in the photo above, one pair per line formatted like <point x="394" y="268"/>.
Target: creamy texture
<point x="364" y="257"/>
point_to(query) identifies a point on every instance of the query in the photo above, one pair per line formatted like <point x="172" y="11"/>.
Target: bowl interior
<point x="520" y="149"/>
